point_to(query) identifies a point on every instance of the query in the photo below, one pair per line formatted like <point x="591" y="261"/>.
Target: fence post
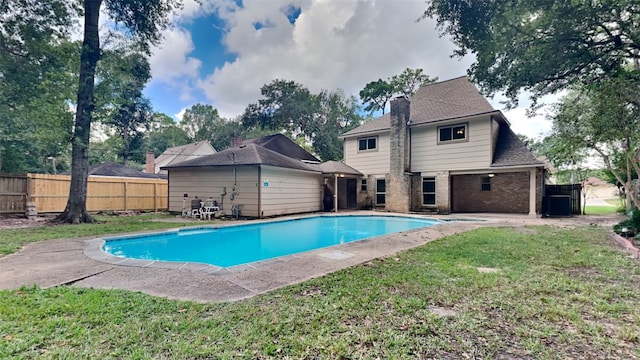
<point x="155" y="196"/>
<point x="126" y="185"/>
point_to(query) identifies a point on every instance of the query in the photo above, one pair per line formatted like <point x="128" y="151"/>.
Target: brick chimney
<point x="150" y="163"/>
<point x="398" y="194"/>
<point x="236" y="142"/>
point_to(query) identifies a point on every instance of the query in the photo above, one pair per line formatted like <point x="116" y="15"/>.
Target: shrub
<point x="632" y="224"/>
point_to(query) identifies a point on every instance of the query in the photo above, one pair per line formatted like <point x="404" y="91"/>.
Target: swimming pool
<point x="241" y="244"/>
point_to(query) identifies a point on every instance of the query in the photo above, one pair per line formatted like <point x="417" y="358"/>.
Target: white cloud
<point x="534" y="124"/>
<point x="180" y="114"/>
<point x="171" y="61"/>
<point x="333" y="44"/>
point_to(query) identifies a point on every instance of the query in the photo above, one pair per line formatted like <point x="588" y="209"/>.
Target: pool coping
<point x="93" y="247"/>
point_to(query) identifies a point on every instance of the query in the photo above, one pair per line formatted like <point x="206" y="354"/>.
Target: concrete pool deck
<point x="61" y="262"/>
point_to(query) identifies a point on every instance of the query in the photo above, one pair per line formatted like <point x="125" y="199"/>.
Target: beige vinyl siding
<point x="368" y="162"/>
<point x="211" y="182"/>
<point x="428" y="155"/>
<point x="290" y="191"/>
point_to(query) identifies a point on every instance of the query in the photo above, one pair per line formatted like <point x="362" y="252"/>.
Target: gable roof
<point x="246" y="154"/>
<point x="338" y="167"/>
<point x="115" y="169"/>
<point x="283" y="145"/>
<point x="511" y="151"/>
<point x="180" y="153"/>
<point x="450" y="99"/>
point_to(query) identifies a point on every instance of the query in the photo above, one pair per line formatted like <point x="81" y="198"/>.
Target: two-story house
<point x="447" y="150"/>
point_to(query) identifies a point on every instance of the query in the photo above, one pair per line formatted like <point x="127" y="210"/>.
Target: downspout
<point x="260" y="214"/>
<point x="335" y="193"/>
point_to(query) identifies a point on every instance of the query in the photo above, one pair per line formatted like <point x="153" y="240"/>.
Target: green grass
<point x="600" y="210"/>
<point x="561" y="293"/>
<point x="615" y="202"/>
<point x="14" y="239"/>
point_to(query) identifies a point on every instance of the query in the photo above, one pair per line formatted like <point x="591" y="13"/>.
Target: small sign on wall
<point x="265" y="182"/>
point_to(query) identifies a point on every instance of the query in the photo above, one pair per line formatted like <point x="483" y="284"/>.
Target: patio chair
<point x="196" y="208"/>
<point x="209" y="207"/>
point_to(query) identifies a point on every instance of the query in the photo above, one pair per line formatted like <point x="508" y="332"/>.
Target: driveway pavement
<point x="65" y="262"/>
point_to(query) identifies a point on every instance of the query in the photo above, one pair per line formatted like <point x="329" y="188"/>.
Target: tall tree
<point x="605" y="119"/>
<point x="36" y="82"/>
<point x="377" y="94"/>
<point x="286" y="105"/>
<point x="120" y="103"/>
<point x="339" y="114"/>
<point x="164" y="133"/>
<point x="540" y="46"/>
<point x="409" y="81"/>
<point x="316" y="118"/>
<point x="200" y="121"/>
<point x="143" y="20"/>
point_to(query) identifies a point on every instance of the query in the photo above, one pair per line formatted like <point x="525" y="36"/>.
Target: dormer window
<point x="452" y="133"/>
<point x="367" y="144"/>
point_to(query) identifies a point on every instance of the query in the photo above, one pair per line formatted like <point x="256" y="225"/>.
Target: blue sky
<point x="220" y="52"/>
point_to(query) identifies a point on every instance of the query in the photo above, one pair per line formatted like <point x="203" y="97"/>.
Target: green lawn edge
<point x="556" y="293"/>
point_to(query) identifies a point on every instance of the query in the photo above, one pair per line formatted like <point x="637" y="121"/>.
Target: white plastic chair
<point x="209" y="207"/>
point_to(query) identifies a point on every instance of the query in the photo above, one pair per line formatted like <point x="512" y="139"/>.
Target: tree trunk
<point x="76" y="210"/>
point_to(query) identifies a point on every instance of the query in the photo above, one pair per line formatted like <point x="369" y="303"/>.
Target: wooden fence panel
<point x="104" y="193"/>
<point x="13" y="193"/>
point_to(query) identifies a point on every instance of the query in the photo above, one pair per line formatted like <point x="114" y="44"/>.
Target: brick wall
<point x="509" y="193"/>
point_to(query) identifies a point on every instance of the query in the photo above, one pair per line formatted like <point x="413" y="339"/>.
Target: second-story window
<point x="452" y="133"/>
<point x="369" y="143"/>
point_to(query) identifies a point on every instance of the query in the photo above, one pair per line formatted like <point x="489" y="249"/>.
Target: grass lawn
<point x="560" y="293"/>
<point x="600" y="210"/>
<point x="14" y="239"/>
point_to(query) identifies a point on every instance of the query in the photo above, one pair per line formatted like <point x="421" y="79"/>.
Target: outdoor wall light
<point x="491" y="175"/>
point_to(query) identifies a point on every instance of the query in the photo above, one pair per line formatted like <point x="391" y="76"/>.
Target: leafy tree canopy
<point x="200" y="122"/>
<point x="317" y="118"/>
<point x="164" y="133"/>
<point x="603" y="118"/>
<point x="376" y="94"/>
<point x="543" y="45"/>
<point x="37" y="67"/>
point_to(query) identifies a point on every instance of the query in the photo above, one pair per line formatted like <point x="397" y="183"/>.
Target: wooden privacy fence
<point x="104" y="193"/>
<point x="13" y="193"/>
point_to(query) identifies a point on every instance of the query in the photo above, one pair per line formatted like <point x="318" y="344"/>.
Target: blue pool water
<point x="235" y="245"/>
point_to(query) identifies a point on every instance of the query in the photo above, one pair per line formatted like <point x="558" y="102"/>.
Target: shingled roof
<point x="283" y="145"/>
<point x="115" y="169"/>
<point x="511" y="151"/>
<point x="338" y="167"/>
<point x="180" y="153"/>
<point x="450" y="99"/>
<point x="246" y="154"/>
